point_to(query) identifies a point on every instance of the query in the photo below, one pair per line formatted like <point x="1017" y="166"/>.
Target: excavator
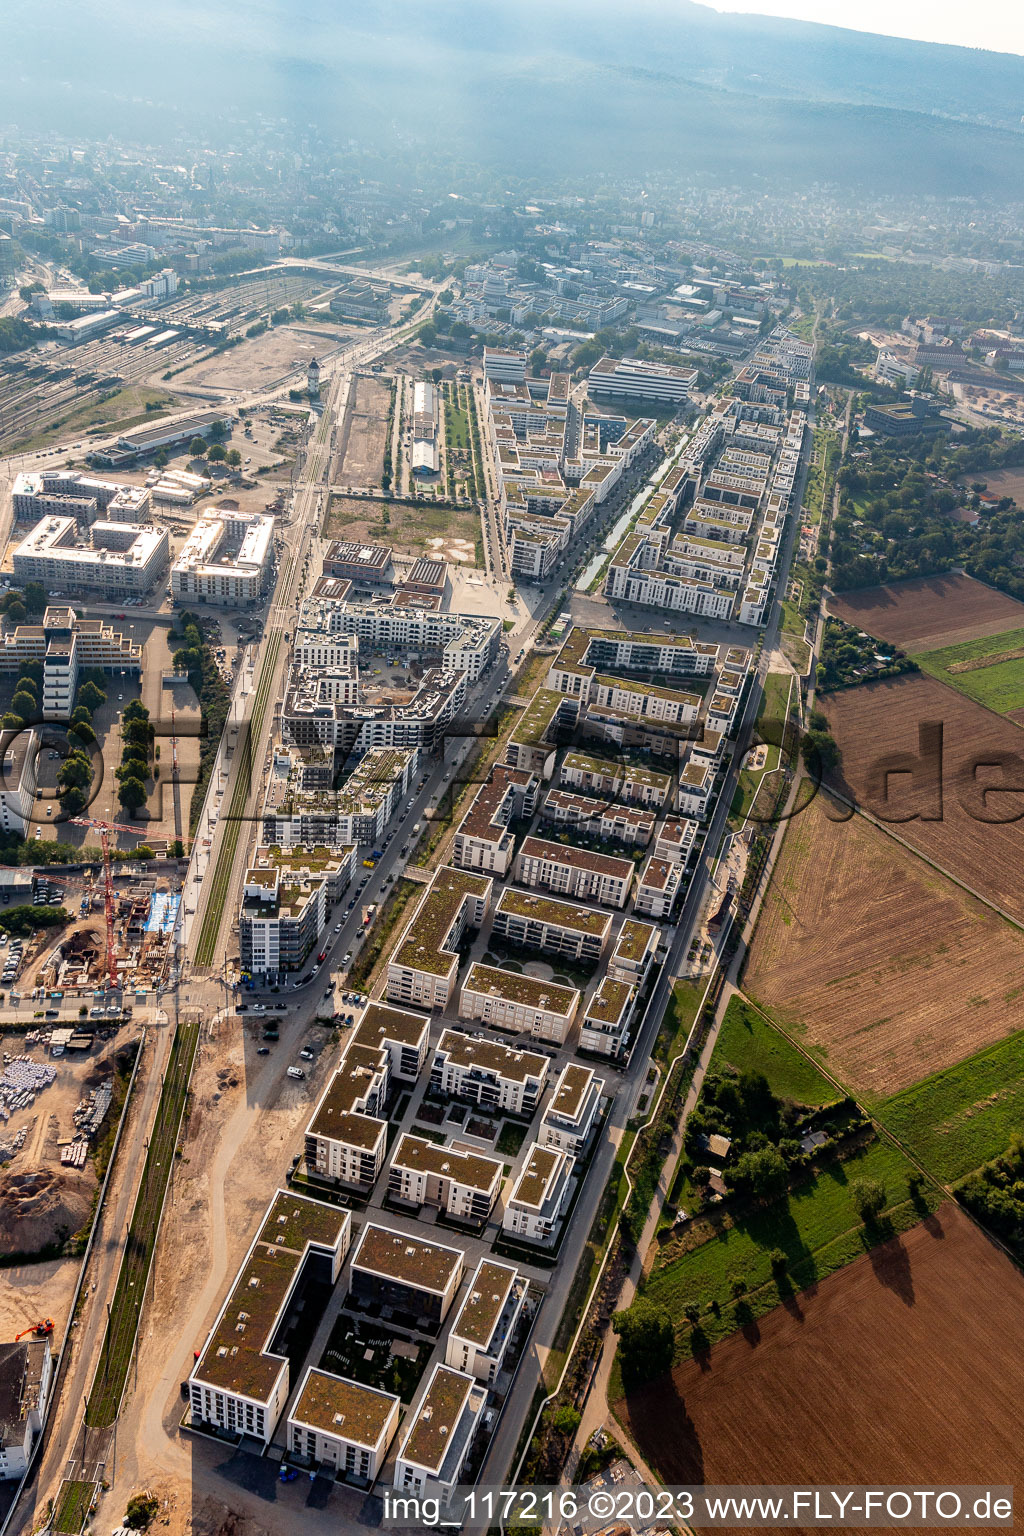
<point x="42" y="1330"/>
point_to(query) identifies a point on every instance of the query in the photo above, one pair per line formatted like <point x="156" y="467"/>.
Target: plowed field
<point x="923" y="614"/>
<point x="935" y="765"/>
<point x="892" y="970"/>
<point x="894" y="1370"/>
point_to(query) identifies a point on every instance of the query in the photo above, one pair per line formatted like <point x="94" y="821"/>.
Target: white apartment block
<point x="20" y="752"/>
<point x="506" y="367"/>
<point x="485" y="1322"/>
<point x="675" y="839"/>
<point x="540" y="1196"/>
<point x="634" y="952"/>
<point x="342" y="1426"/>
<point x="424" y="964"/>
<point x="545" y="924"/>
<point x="240" y="1383"/>
<point x="120" y="560"/>
<point x="396" y="1272"/>
<point x="522" y="1004"/>
<point x="659" y="887"/>
<point x="572" y="1109"/>
<point x="693" y="795"/>
<point x="26" y="1376"/>
<point x="483" y="841"/>
<point x="440" y="1435"/>
<point x="495" y="1076"/>
<point x="226" y="559"/>
<point x="574" y="872"/>
<point x="462" y="1183"/>
<point x="627" y="824"/>
<point x="607" y="1017"/>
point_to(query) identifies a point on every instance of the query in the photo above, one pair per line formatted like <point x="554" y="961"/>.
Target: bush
<point x="142" y="1509"/>
<point x="646" y="1339"/>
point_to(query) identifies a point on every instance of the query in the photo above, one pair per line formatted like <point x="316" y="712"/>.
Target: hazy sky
<point x="997" y="24"/>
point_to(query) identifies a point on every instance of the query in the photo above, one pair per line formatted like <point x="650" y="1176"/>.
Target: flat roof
<point x="433" y="1429"/>
<point x="471" y="1051"/>
<point x="407" y="1260"/>
<point x="549" y="909"/>
<point x="348" y="1409"/>
<point x="421" y="946"/>
<point x="579" y="858"/>
<point x="634" y="939"/>
<point x="381" y="1023"/>
<point x="529" y="991"/>
<point x="456" y="1163"/>
<point x="610" y="1001"/>
<point x="481" y="1311"/>
<point x="571" y="1091"/>
<point x="236" y="1356"/>
<point x="539" y="1171"/>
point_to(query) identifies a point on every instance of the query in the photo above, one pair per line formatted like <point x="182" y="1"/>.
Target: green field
<point x="999" y="687"/>
<point x="958" y="1119"/>
<point x="773" y="708"/>
<point x="748" y="1042"/>
<point x="817" y="1228"/>
<point x="74" y="1501"/>
<point x="123" y="1317"/>
<point x="456" y="427"/>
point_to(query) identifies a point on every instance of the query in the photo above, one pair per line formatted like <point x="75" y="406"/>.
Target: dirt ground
<point x="879" y="728"/>
<point x="361" y="451"/>
<point x="926" y="613"/>
<point x="889" y="968"/>
<point x="31" y="1292"/>
<point x="1001" y="482"/>
<point x="892" y="1371"/>
<point x="262" y="360"/>
<point x="418" y="529"/>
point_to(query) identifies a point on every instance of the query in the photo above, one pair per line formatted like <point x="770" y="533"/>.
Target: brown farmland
<point x="929" y="611"/>
<point x="893" y="1370"/>
<point x="962" y="758"/>
<point x="891" y="969"/>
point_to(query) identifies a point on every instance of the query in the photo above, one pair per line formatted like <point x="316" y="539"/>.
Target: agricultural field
<point x="988" y="670"/>
<point x="879" y="729"/>
<point x="816" y="1227"/>
<point x="364" y="434"/>
<point x="962" y="1117"/>
<point x="880" y="1374"/>
<point x="885" y="969"/>
<point x="1000" y="482"/>
<point x="929" y="611"/>
<point x="417" y="528"/>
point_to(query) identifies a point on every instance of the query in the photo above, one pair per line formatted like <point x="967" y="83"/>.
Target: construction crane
<point x="104" y="828"/>
<point x="42" y="1330"/>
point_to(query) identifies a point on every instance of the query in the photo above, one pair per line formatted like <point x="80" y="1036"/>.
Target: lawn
<point x="677" y="1020"/>
<point x="510" y="1139"/>
<point x="73" y="1504"/>
<point x="817" y="1229"/>
<point x="351" y="1342"/>
<point x="999" y="686"/>
<point x="960" y="1118"/>
<point x="774" y="707"/>
<point x="749" y="1043"/>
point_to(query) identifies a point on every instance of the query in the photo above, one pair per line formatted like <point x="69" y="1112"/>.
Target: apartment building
<point x="484" y="1324"/>
<point x="424" y="964"/>
<point x="505" y="366"/>
<point x="240" y="1383"/>
<point x="574" y="872"/>
<point x="404" y="1036"/>
<point x="369" y="563"/>
<point x="402" y="1274"/>
<point x="547" y="925"/>
<point x="587" y="652"/>
<point x="635" y="951"/>
<point x="540" y="1196"/>
<point x="659" y="887"/>
<point x="675" y="839"/>
<point x="26" y="1377"/>
<point x="19" y="751"/>
<point x="440" y="1436"/>
<point x="626" y="824"/>
<point x="493" y="1075"/>
<point x="226" y="559"/>
<point x="523" y="1004"/>
<point x="483" y="841"/>
<point x="604" y="1029"/>
<point x="286" y="897"/>
<point x="346" y="1139"/>
<point x="572" y="1110"/>
<point x="533" y="740"/>
<point x="301" y="806"/>
<point x="693" y="792"/>
<point x="65" y="644"/>
<point x="462" y="1183"/>
<point x="343" y="1427"/>
<point x="115" y="559"/>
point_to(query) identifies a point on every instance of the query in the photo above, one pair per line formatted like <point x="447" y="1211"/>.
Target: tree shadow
<point x="664" y="1431"/>
<point x="891" y="1264"/>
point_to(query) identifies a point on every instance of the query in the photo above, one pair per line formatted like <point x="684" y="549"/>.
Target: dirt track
<point x="892" y="969"/>
<point x="894" y="1370"/>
